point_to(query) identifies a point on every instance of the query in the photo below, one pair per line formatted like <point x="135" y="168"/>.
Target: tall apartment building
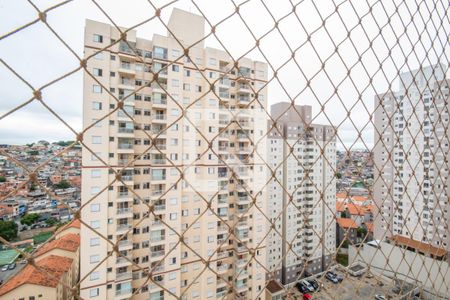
<point x="302" y="194"/>
<point x="411" y="159"/>
<point x="173" y="124"/>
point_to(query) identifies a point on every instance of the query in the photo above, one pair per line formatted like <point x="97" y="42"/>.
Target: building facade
<point x="181" y="218"/>
<point x="411" y="157"/>
<point x="301" y="194"/>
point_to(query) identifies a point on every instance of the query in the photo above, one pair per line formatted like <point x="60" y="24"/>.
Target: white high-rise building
<point x="411" y="159"/>
<point x="175" y="123"/>
<point x="302" y="194"/>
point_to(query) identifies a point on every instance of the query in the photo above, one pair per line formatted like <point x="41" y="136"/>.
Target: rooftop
<point x="49" y="272"/>
<point x="419" y="246"/>
<point x="346" y="223"/>
<point x="68" y="242"/>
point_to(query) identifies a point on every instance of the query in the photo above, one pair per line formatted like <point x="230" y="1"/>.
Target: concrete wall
<point x="433" y="275"/>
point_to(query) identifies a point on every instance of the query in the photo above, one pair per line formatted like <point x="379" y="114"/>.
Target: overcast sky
<point x="37" y="55"/>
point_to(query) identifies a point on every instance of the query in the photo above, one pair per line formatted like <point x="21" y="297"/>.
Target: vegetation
<point x="29" y="219"/>
<point x="42" y="237"/>
<point x="51" y="221"/>
<point x="338" y="175"/>
<point x="33" y="152"/>
<point x="63" y="184"/>
<point x="342" y="259"/>
<point x="64" y="143"/>
<point x="2" y="179"/>
<point x="361" y="231"/>
<point x="8" y="230"/>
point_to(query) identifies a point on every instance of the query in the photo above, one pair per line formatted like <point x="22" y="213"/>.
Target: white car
<point x="380" y="297"/>
<point x="5" y="268"/>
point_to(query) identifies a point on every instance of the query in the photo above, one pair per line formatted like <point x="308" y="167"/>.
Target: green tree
<point x="33" y="152"/>
<point x="63" y="184"/>
<point x="51" y="221"/>
<point x="2" y="179"/>
<point x="338" y="175"/>
<point x="361" y="231"/>
<point x="8" y="230"/>
<point x="29" y="219"/>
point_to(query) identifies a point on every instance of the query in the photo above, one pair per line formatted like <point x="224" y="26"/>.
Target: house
<point x="50" y="279"/>
<point x="357" y="213"/>
<point x="346" y="229"/>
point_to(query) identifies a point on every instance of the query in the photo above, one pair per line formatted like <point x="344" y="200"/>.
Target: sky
<point x="406" y="42"/>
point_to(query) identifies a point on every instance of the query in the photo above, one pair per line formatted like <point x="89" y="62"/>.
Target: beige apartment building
<point x="302" y="195"/>
<point x="411" y="153"/>
<point x="196" y="118"/>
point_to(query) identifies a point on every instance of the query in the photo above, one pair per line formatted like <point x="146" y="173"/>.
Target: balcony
<point x="122" y="261"/>
<point x="125" y="245"/>
<point x="127" y="69"/>
<point x="243" y="200"/>
<point x="124" y="276"/>
<point x="124" y="212"/>
<point x="158" y="161"/>
<point x="159" y="207"/>
<point x="158" y="254"/>
<point x="124" y="228"/>
<point x="125" y="130"/>
<point x="159" y="102"/>
<point x="124" y="293"/>
<point x="156" y="239"/>
<point x="159" y="118"/>
<point x="222" y="269"/>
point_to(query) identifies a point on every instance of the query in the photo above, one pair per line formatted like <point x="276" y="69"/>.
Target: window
<point x="98" y="72"/>
<point x="173" y="216"/>
<point x="95" y="224"/>
<point x="98" y="38"/>
<point x="159" y="52"/>
<point x="96" y="89"/>
<point x="175" y="83"/>
<point x="99" y="56"/>
<point x="95" y="241"/>
<point x="95" y="207"/>
<point x="212" y="61"/>
<point x="93" y="292"/>
<point x="94" y="275"/>
<point x="96" y="105"/>
<point x="94" y="258"/>
<point x="96" y="139"/>
<point x="175" y="68"/>
<point x="95" y="173"/>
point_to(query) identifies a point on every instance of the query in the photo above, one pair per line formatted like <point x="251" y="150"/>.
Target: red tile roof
<point x="419" y="246"/>
<point x="346" y="223"/>
<point x="356" y="210"/>
<point x="49" y="272"/>
<point x="369" y="226"/>
<point x="340" y="206"/>
<point x="68" y="242"/>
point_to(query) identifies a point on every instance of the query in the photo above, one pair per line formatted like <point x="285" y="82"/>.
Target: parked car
<point x="339" y="277"/>
<point x="1" y="282"/>
<point x="12" y="266"/>
<point x="379" y="297"/>
<point x="5" y="268"/>
<point x="302" y="287"/>
<point x="307" y="297"/>
<point x="331" y="277"/>
<point x="314" y="284"/>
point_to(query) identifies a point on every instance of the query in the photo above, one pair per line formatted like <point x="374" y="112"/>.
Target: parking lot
<point x="352" y="288"/>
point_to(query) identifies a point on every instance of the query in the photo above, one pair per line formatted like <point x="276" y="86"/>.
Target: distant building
<point x="57" y="269"/>
<point x="304" y="157"/>
<point x="411" y="156"/>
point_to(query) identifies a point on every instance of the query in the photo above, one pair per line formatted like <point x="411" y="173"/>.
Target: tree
<point x="361" y="231"/>
<point x="33" y="152"/>
<point x="2" y="179"/>
<point x="63" y="184"/>
<point x="8" y="230"/>
<point x="338" y="175"/>
<point x="29" y="219"/>
<point x="51" y="221"/>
